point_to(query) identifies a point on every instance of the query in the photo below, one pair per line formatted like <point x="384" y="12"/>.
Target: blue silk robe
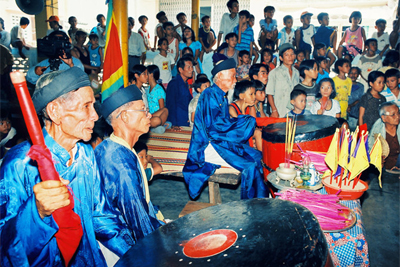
<point x="121" y="174"/>
<point x="177" y="101"/>
<point x="28" y="240"/>
<point x="229" y="137"/>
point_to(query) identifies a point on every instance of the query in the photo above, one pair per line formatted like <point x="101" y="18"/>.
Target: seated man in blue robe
<point x="121" y="172"/>
<point x="178" y="94"/>
<point x="219" y="140"/>
<point x="27" y="227"/>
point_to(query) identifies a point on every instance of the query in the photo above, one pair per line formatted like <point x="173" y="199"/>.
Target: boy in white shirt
<point x="164" y="61"/>
<point x="381" y="36"/>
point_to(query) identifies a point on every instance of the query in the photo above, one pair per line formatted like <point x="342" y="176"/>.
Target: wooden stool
<point x="215" y="180"/>
<point x="192" y="206"/>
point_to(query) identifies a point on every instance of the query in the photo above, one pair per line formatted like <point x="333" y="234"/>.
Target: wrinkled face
<point x="379" y="84"/>
<point x="227" y="79"/>
<point x="391" y="116"/>
<point x="262" y="76"/>
<point x="232" y="42"/>
<point x="392" y="82"/>
<point x="267" y="57"/>
<point x="5" y="126"/>
<point x="142" y="155"/>
<point x="288" y="57"/>
<point x="299" y="102"/>
<point x="249" y="96"/>
<point x="326" y="89"/>
<point x="77" y="116"/>
<point x="187" y="71"/>
<point x="353" y="74"/>
<point x="137" y="118"/>
<point x="313" y="73"/>
<point x="260" y="96"/>
<point x="289" y="23"/>
<point x="207" y="23"/>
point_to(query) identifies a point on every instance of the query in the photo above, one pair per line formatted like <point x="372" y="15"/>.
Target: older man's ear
<point x="54" y="111"/>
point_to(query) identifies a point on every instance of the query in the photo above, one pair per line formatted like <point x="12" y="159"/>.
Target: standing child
<point x="326" y="104"/>
<point x="158" y="31"/>
<point x="256" y="50"/>
<point x="325" y="35"/>
<point x="357" y="91"/>
<point x="321" y="51"/>
<point x="95" y="52"/>
<point x="298" y="101"/>
<point x="300" y="56"/>
<point x="381" y="36"/>
<point x="182" y="20"/>
<point x="286" y="35"/>
<point x="164" y="61"/>
<point x="199" y="85"/>
<point x="370" y="101"/>
<point x="228" y="21"/>
<point x="231" y="51"/>
<point x="207" y="36"/>
<point x="242" y="71"/>
<point x="392" y="93"/>
<point x="268" y="24"/>
<point x="245" y="33"/>
<point x="73" y="22"/>
<point x="304" y="34"/>
<point x="370" y="61"/>
<point x="353" y="38"/>
<point x="309" y="72"/>
<point x="144" y="32"/>
<point x="271" y="45"/>
<point x="101" y="29"/>
<point x="322" y="66"/>
<point x="155" y="167"/>
<point x="267" y="56"/>
<point x="189" y="40"/>
<point x="343" y="85"/>
<point x="173" y="43"/>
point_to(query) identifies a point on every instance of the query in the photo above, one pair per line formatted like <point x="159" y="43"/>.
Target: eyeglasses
<point x="147" y="112"/>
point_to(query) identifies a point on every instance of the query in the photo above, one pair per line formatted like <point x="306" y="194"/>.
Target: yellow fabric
<point x="331" y="158"/>
<point x="122" y="142"/>
<point x="344" y="151"/>
<point x="343" y="91"/>
<point x="360" y="162"/>
<point x="376" y="157"/>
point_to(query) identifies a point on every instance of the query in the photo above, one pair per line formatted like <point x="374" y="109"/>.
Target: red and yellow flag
<point x="113" y="74"/>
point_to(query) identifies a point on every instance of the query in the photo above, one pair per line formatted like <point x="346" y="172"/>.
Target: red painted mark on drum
<point x="210" y="243"/>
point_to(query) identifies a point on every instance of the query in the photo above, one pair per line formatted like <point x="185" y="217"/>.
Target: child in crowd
<point x="271" y="45"/>
<point x="370" y="61"/>
<point x="245" y="33"/>
<point x="228" y="22"/>
<point x="141" y="151"/>
<point x="322" y="65"/>
<point x="325" y="35"/>
<point x="189" y="40"/>
<point x="326" y="104"/>
<point x="73" y="22"/>
<point x="321" y="51"/>
<point x="207" y="37"/>
<point x="267" y="56"/>
<point x="199" y="85"/>
<point x="392" y="93"/>
<point x="286" y="35"/>
<point x="144" y="32"/>
<point x="309" y="72"/>
<point x="268" y="24"/>
<point x="244" y="98"/>
<point x="256" y="50"/>
<point x="8" y="134"/>
<point x="343" y="85"/>
<point x="298" y="101"/>
<point x="173" y="43"/>
<point x="304" y="34"/>
<point x="381" y="36"/>
<point x="300" y="56"/>
<point x="164" y="61"/>
<point x="353" y="38"/>
<point x="182" y="20"/>
<point x="95" y="52"/>
<point x="139" y="76"/>
<point x="231" y="51"/>
<point x="260" y="99"/>
<point x="370" y="101"/>
<point x="17" y="36"/>
<point x="357" y="91"/>
<point x="158" y="31"/>
<point x="259" y="72"/>
<point x="281" y="81"/>
<point x="392" y="60"/>
<point x="101" y="29"/>
<point x="242" y="71"/>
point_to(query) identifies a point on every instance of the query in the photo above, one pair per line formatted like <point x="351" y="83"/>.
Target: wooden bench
<point x="192" y="206"/>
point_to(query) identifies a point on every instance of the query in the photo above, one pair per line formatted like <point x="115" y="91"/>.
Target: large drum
<point x="313" y="132"/>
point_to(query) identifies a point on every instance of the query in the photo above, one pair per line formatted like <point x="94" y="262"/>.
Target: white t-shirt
<point x="227" y="24"/>
<point x="383" y="40"/>
<point x="172" y="48"/>
<point x="332" y="112"/>
<point x="136" y="45"/>
<point x="164" y="64"/>
<point x="308" y="33"/>
<point x="155" y="29"/>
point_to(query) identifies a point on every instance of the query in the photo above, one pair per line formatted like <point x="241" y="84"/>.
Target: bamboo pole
<point x="121" y="20"/>
<point x="195" y="16"/>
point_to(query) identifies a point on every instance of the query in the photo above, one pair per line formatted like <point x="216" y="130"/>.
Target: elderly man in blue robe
<point x="219" y="140"/>
<point x="120" y="169"/>
<point x="27" y="227"/>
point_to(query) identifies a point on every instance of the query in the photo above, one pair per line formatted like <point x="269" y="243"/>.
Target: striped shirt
<point x="247" y="38"/>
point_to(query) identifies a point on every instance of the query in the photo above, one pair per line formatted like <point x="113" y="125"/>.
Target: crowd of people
<point x="255" y="81"/>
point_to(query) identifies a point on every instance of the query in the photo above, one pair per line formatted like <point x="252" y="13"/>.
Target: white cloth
<point x="102" y="39"/>
<point x="172" y="48"/>
<point x="335" y="109"/>
<point x="308" y="33"/>
<point x="212" y="156"/>
<point x="383" y="40"/>
<point x="227" y="24"/>
<point x="155" y="29"/>
<point x="17" y="34"/>
<point x="164" y="64"/>
<point x="51" y="30"/>
<point x="367" y="65"/>
<point x="136" y="45"/>
<point x="284" y="37"/>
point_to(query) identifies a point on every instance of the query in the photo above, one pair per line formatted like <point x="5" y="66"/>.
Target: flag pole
<point x="121" y="20"/>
